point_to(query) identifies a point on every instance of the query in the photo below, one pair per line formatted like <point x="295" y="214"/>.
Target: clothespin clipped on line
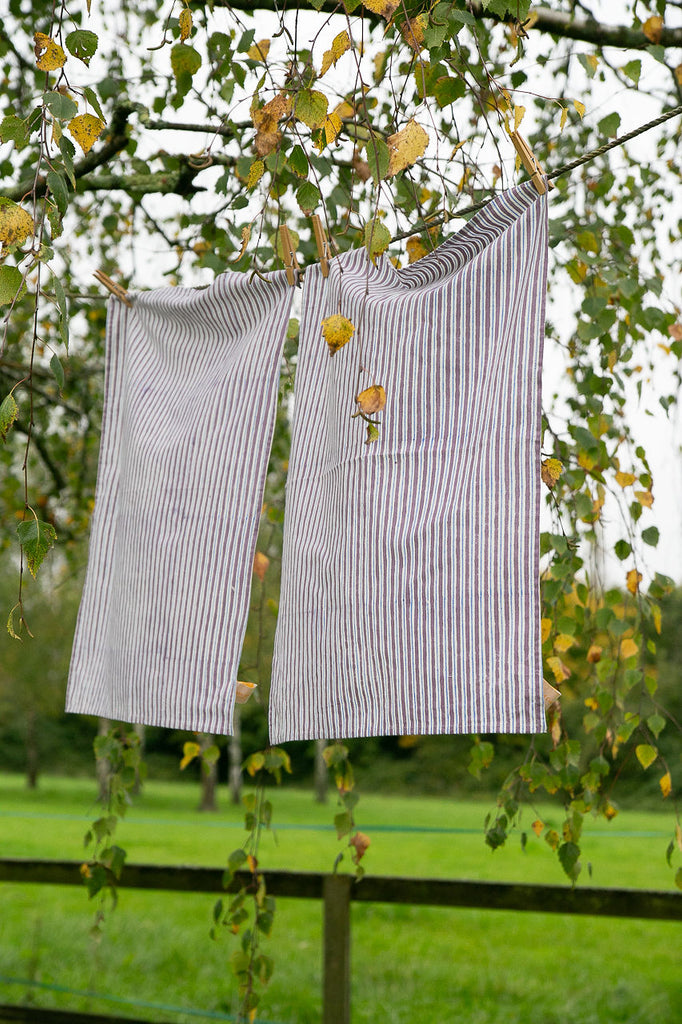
<point x="530" y="162"/>
<point x="323" y="249"/>
<point x="114" y="288"/>
<point x="289" y="255"/>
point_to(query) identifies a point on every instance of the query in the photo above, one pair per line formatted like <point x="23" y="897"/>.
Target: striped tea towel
<point x="410" y="577"/>
<point x="190" y="400"/>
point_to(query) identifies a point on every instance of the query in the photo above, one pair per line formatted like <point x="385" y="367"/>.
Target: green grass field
<point x="410" y="964"/>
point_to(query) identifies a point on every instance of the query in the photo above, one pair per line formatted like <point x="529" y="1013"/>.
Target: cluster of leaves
<point x="337" y="759"/>
<point x="120" y="769"/>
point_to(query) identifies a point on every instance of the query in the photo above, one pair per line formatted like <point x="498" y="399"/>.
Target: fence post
<point x="336" y="988"/>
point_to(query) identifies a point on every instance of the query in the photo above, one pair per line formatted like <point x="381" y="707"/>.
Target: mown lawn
<point x="410" y="964"/>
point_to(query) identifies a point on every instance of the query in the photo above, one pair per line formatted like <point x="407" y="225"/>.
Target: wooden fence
<point x="336" y="892"/>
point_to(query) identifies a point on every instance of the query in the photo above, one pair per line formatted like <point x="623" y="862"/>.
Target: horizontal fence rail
<point x="438" y="892"/>
<point x="337" y="892"/>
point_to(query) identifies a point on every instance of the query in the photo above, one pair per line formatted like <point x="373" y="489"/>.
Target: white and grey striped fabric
<point x="190" y="400"/>
<point x="410" y="577"/>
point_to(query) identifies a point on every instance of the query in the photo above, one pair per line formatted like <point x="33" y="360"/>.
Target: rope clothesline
<point x="592" y="155"/>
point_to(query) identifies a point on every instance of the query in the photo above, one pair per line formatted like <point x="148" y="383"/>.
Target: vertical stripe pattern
<point x="190" y="400"/>
<point x="410" y="579"/>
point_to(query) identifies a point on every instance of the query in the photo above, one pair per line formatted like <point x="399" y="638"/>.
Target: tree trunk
<point x="31" y="749"/>
<point x="235" y="758"/>
<point x="321" y="775"/>
<point x="102" y="767"/>
<point x="140" y="732"/>
<point x="209" y="778"/>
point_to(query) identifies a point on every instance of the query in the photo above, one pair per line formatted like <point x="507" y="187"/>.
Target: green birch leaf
<point x="91" y="97"/>
<point x="646" y="754"/>
<point x="60" y="106"/>
<point x="36" y="538"/>
<point x="82" y="44"/>
<point x="67" y="149"/>
<point x="57" y="187"/>
<point x="378" y="158"/>
<point x="184" y="60"/>
<point x="11" y="282"/>
<point x="308" y="196"/>
<point x="311" y="107"/>
<point x="8" y="413"/>
<point x="57" y="370"/>
<point x="377" y="238"/>
<point x="13" y="129"/>
<point x="633" y="70"/>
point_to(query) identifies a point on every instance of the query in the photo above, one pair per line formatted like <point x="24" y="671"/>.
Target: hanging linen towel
<point x="410" y="577"/>
<point x="189" y="412"/>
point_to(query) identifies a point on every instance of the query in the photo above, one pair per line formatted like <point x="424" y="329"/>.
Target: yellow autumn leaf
<point x="415" y="249"/>
<point x="252" y="863"/>
<point x="594" y="654"/>
<point x="337" y="331"/>
<point x="406" y="147"/>
<point x="628" y="648"/>
<point x="678" y="74"/>
<point x="260" y="565"/>
<point x="49" y="55"/>
<point x="563" y="118"/>
<point x="559" y="670"/>
<point x="16" y="224"/>
<point x="538" y="827"/>
<point x="646" y="754"/>
<point x="331" y="127"/>
<point x="384" y="8"/>
<point x="266" y="119"/>
<point x="551" y="470"/>
<point x="625" y="479"/>
<point x="189" y="752"/>
<point x="633" y="580"/>
<point x="545" y="629"/>
<point x="519" y="114"/>
<point x="371" y="400"/>
<point x="645" y="498"/>
<point x="185" y="23"/>
<point x="563" y="642"/>
<point x="657" y="617"/>
<point x="340" y="44"/>
<point x="666" y="784"/>
<point x="246" y="235"/>
<point x="413" y="31"/>
<point x="580" y="107"/>
<point x="259" y="51"/>
<point x="256" y="171"/>
<point x="86" y="129"/>
<point x="344" y="109"/>
<point x="653" y="28"/>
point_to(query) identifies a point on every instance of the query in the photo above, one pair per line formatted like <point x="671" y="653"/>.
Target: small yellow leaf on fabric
<point x="189" y="752"/>
<point x="653" y="29"/>
<point x="259" y="51"/>
<point x="628" y="648"/>
<point x="633" y="580"/>
<point x="49" y="55"/>
<point x="406" y="147"/>
<point x="538" y="827"/>
<point x="646" y="754"/>
<point x="580" y="107"/>
<point x="371" y="400"/>
<point x="16" y="224"/>
<point x="85" y="130"/>
<point x="559" y="670"/>
<point x="545" y="629"/>
<point x="594" y="654"/>
<point x="551" y="471"/>
<point x="415" y="249"/>
<point x="519" y="114"/>
<point x="625" y="479"/>
<point x="337" y="331"/>
<point x="563" y="642"/>
<point x="260" y="565"/>
<point x="384" y="8"/>
<point x="645" y="498"/>
<point x="185" y="23"/>
<point x="666" y="784"/>
<point x="256" y="171"/>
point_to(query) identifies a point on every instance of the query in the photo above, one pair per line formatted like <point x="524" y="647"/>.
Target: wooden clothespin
<point x="322" y="243"/>
<point x="529" y="162"/>
<point x="114" y="288"/>
<point x="289" y="254"/>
